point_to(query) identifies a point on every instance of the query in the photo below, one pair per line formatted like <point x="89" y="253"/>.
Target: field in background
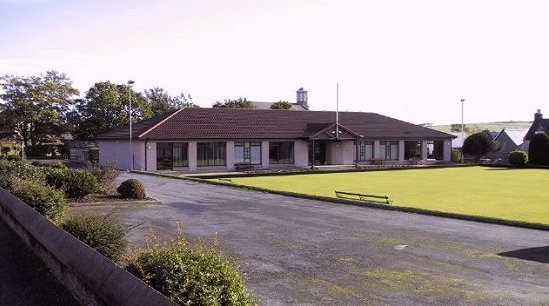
<point x="511" y="194"/>
<point x="491" y="126"/>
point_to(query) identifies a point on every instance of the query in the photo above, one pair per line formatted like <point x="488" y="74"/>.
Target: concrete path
<point x="303" y="252"/>
<point x="24" y="279"/>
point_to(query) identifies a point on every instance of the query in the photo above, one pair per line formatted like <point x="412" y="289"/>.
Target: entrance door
<point x="164" y="156"/>
<point x="319" y="153"/>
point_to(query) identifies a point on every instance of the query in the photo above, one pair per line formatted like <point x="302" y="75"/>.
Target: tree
<point x="237" y="103"/>
<point x="161" y="102"/>
<point x="36" y="107"/>
<point x="538" y="150"/>
<point x="106" y="107"/>
<point x="477" y="145"/>
<point x="281" y="105"/>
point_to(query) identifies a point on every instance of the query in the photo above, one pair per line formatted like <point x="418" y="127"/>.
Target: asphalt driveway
<point x="297" y="251"/>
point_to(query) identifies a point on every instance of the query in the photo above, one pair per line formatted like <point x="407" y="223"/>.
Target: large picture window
<point x="412" y="149"/>
<point x="247" y="152"/>
<point x="281" y="152"/>
<point x="211" y="154"/>
<point x="390" y="148"/>
<point x="365" y="150"/>
<point x="180" y="155"/>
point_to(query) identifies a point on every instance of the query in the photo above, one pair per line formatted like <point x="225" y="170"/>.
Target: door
<point x="164" y="156"/>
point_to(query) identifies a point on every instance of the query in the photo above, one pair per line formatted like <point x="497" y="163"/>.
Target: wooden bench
<point x="244" y="167"/>
<point x="376" y="161"/>
<point x="362" y="197"/>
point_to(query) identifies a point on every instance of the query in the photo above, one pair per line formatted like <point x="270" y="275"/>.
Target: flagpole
<point x="337" y="111"/>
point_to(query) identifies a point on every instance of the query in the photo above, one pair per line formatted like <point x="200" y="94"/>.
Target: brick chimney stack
<point x="538" y="115"/>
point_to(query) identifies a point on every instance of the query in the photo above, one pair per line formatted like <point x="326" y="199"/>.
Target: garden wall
<point x="89" y="276"/>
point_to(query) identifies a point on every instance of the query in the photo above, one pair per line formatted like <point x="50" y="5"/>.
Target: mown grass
<point x="511" y="194"/>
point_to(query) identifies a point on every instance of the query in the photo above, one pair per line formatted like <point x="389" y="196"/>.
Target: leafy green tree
<point x="35" y="107"/>
<point x="236" y="103"/>
<point x="162" y="102"/>
<point x="281" y="105"/>
<point x="477" y="145"/>
<point x="538" y="150"/>
<point x="105" y="107"/>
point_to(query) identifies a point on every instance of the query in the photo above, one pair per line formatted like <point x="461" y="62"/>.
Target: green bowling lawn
<point x="511" y="194"/>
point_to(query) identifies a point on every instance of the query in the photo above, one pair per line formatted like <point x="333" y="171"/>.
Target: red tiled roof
<point x="225" y="123"/>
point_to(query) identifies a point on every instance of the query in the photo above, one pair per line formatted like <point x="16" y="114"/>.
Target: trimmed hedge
<point x="76" y="183"/>
<point x="518" y="158"/>
<point x="47" y="201"/>
<point x="106" y="233"/>
<point x="191" y="276"/>
<point x="132" y="189"/>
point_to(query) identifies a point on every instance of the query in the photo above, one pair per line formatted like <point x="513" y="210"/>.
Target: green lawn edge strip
<point x="490" y="220"/>
<point x="389" y="168"/>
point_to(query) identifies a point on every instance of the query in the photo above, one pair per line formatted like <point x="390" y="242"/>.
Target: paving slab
<point x="305" y="252"/>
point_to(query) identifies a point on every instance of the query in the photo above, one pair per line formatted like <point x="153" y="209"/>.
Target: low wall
<point x="89" y="276"/>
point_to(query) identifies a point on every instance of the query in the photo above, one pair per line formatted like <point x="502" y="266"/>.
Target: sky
<point x="411" y="60"/>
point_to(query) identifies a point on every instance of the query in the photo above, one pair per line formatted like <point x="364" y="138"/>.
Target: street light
<point x="130" y="83"/>
<point x="462" y="128"/>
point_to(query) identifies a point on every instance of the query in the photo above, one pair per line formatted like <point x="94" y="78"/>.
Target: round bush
<point x="191" y="276"/>
<point x="106" y="234"/>
<point x="47" y="201"/>
<point x="76" y="183"/>
<point x="518" y="158"/>
<point x="132" y="189"/>
<point x="477" y="145"/>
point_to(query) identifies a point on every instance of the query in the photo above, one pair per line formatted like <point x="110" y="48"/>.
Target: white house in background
<point x="222" y="139"/>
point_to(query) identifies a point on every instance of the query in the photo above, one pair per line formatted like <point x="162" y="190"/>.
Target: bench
<point x="362" y="197"/>
<point x="376" y="161"/>
<point x="243" y="167"/>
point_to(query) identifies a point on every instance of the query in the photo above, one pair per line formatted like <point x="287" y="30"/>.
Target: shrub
<point x="132" y="189"/>
<point x="76" y="183"/>
<point x="14" y="157"/>
<point x="106" y="233"/>
<point x="191" y="276"/>
<point x="47" y="201"/>
<point x="106" y="175"/>
<point x="6" y="150"/>
<point x="477" y="145"/>
<point x="538" y="150"/>
<point x="93" y="155"/>
<point x="22" y="170"/>
<point x="456" y="156"/>
<point x="518" y="158"/>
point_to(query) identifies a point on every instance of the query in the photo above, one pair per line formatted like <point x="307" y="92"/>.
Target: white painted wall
<point x="230" y="155"/>
<point x="265" y="154"/>
<point x="120" y="153"/>
<point x="192" y="156"/>
<point x="301" y="153"/>
<point x="377" y="149"/>
<point x="401" y="151"/>
<point x="447" y="154"/>
<point x="151" y="156"/>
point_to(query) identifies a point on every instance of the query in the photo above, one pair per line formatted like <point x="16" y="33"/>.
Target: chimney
<point x="538" y="115"/>
<point x="302" y="98"/>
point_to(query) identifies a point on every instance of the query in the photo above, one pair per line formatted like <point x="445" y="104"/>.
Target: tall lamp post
<point x="130" y="83"/>
<point x="462" y="130"/>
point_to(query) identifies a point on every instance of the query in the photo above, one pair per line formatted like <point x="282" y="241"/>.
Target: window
<point x="412" y="149"/>
<point x="281" y="152"/>
<point x="164" y="159"/>
<point x="247" y="152"/>
<point x="180" y="157"/>
<point x="390" y="148"/>
<point x="211" y="154"/>
<point x="365" y="150"/>
<point x="435" y="150"/>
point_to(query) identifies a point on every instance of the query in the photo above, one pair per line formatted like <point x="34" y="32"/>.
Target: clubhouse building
<point x="223" y="139"/>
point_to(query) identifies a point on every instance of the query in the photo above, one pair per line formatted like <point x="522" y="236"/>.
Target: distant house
<point x="300" y="105"/>
<point x="539" y="125"/>
<point x="458" y="140"/>
<point x="222" y="139"/>
<point x="505" y="142"/>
